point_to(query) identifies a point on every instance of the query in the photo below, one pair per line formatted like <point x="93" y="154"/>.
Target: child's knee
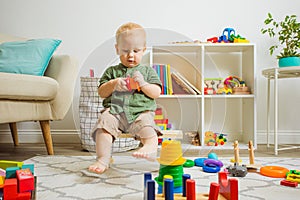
<point x="147" y="132"/>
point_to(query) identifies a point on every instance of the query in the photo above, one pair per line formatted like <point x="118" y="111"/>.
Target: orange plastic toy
<point x="274" y="171"/>
<point x="132" y="84"/>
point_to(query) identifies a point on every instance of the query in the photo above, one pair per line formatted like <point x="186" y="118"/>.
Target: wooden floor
<point x="26" y="151"/>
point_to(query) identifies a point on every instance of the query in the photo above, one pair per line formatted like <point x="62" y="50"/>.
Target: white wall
<point x="85" y="25"/>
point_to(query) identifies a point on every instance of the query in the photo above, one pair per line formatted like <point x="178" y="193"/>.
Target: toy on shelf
<point x="212" y="85"/>
<point x="237" y="85"/>
<point x="228" y="36"/>
<point x="221" y="139"/>
<point x="193" y="138"/>
<point x="224" y="189"/>
<point x="237" y="169"/>
<point x="224" y="90"/>
<point x="214" y="139"/>
<point x="210" y="138"/>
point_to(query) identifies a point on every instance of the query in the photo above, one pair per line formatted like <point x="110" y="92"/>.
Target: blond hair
<point x="127" y="27"/>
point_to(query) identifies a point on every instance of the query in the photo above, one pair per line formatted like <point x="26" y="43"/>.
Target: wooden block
<point x="25" y="180"/>
<point x="7" y="163"/>
<point x="11" y="172"/>
<point x="180" y="197"/>
<point x="10" y="189"/>
<point x="288" y="183"/>
<point x="24" y="196"/>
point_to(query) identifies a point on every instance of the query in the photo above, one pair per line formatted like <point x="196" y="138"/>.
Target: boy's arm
<point x="151" y="90"/>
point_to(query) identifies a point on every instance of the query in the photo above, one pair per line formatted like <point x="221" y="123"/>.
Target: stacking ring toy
<point x="213" y="162"/>
<point x="189" y="163"/>
<point x="209" y="169"/>
<point x="199" y="162"/>
<point x="274" y="171"/>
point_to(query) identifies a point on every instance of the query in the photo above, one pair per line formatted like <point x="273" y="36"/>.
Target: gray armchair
<point x="37" y="98"/>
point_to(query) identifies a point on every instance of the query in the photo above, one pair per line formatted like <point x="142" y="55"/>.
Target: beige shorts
<point x="117" y="124"/>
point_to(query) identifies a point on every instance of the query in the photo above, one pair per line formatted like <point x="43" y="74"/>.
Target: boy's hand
<point x="121" y="85"/>
<point x="138" y="77"/>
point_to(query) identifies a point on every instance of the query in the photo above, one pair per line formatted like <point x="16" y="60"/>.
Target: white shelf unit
<point x="233" y="115"/>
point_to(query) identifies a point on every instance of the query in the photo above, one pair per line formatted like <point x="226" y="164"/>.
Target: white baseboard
<point x="284" y="137"/>
<point x="73" y="136"/>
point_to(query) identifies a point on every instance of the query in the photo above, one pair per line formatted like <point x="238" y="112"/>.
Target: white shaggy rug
<point x="66" y="178"/>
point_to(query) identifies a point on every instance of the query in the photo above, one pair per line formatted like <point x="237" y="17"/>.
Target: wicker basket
<point x="90" y="106"/>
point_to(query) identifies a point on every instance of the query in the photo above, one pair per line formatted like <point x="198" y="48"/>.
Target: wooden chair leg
<point x="14" y="133"/>
<point x="45" y="126"/>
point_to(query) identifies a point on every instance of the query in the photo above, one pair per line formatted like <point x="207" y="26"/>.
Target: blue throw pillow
<point x="27" y="57"/>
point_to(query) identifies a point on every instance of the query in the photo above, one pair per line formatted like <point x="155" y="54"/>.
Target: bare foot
<point x="147" y="152"/>
<point x="98" y="167"/>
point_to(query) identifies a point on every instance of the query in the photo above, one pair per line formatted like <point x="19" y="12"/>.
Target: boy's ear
<point x="117" y="49"/>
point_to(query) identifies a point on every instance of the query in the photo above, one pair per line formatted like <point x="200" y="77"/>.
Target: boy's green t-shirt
<point x="134" y="102"/>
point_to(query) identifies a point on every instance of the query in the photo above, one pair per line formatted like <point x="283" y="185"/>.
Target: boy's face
<point x="131" y="47"/>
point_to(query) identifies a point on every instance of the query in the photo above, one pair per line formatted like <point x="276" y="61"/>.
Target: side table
<point x="275" y="74"/>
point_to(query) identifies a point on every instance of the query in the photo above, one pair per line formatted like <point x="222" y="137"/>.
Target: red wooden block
<point x="288" y="183"/>
<point x="214" y="191"/>
<point x="25" y="180"/>
<point x="24" y="196"/>
<point x="10" y="189"/>
<point x="190" y="189"/>
<point x="228" y="188"/>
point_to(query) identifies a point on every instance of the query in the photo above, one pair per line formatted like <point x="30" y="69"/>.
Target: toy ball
<point x="212" y="156"/>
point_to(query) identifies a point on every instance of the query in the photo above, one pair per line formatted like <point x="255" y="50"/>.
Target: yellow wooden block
<point x="2" y="178"/>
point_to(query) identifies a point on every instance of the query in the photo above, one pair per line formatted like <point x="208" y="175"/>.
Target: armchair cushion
<point x="27" y="87"/>
<point x="27" y="57"/>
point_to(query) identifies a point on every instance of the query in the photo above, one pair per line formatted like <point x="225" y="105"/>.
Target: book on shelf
<point x="164" y="73"/>
<point x="187" y="87"/>
<point x="173" y="82"/>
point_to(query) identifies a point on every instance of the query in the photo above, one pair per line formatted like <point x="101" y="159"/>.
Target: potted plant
<point x="288" y="35"/>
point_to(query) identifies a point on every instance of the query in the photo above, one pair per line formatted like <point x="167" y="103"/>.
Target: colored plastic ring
<point x="199" y="162"/>
<point x="189" y="163"/>
<point x="213" y="162"/>
<point x="211" y="169"/>
<point x="274" y="171"/>
<point x="212" y="155"/>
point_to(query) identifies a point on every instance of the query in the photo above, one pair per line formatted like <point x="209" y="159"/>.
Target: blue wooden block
<point x="11" y="172"/>
<point x="29" y="166"/>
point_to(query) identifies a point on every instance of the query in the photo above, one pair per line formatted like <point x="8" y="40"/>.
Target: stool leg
<point x="268" y="113"/>
<point x="276" y="112"/>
